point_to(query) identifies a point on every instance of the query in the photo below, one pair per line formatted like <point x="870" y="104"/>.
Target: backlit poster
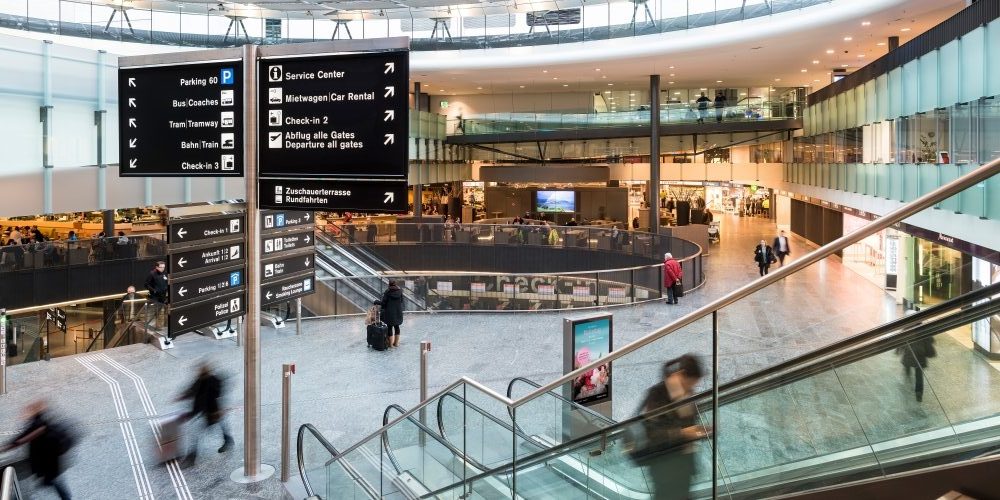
<point x="589" y="340"/>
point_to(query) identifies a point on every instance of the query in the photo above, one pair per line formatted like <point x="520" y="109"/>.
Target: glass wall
<point x="936" y="273"/>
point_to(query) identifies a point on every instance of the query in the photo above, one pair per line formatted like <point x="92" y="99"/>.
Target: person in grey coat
<point x="392" y="311"/>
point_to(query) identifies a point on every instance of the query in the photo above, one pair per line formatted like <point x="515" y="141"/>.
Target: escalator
<point x="908" y="394"/>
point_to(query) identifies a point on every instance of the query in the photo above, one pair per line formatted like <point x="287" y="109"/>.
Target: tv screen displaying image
<point x="555" y="201"/>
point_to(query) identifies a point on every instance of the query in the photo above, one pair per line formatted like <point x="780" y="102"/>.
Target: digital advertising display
<point x="555" y="201"/>
<point x="589" y="340"/>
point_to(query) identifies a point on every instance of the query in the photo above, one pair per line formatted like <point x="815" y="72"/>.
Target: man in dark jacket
<point x="47" y="443"/>
<point x="156" y="285"/>
<point x="204" y="394"/>
<point x="781" y="247"/>
<point x="392" y="311"/>
<point x="763" y="255"/>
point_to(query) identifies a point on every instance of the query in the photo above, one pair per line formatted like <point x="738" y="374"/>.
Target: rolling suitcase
<point x="378" y="333"/>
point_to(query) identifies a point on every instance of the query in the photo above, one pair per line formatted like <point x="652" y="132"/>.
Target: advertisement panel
<point x="587" y="340"/>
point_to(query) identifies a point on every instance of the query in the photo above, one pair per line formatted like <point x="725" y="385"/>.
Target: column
<point x="654" y="153"/>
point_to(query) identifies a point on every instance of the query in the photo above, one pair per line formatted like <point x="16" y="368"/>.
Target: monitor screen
<point x="555" y="201"/>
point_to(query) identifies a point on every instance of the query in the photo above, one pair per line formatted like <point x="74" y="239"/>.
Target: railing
<point x="60" y="253"/>
<point x="861" y="441"/>
<point x="471" y="27"/>
<point x="498" y="123"/>
<point x="9" y="488"/>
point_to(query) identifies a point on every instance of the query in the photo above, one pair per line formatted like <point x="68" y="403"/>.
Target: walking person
<point x="763" y="255"/>
<point x="667" y="449"/>
<point x="204" y="394"/>
<point x="781" y="247"/>
<point x="915" y="356"/>
<point x="47" y="443"/>
<point x="720" y="105"/>
<point x="703" y="107"/>
<point x="156" y="285"/>
<point x="392" y="311"/>
<point x="672" y="276"/>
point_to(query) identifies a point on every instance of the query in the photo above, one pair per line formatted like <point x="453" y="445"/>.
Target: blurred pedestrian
<point x="47" y="442"/>
<point x="915" y="355"/>
<point x="667" y="448"/>
<point x="204" y="393"/>
<point x="781" y="247"/>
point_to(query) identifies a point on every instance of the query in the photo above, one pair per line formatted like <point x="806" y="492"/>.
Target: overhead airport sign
<point x="190" y="317"/>
<point x="204" y="286"/>
<point x="333" y="195"/>
<point x="182" y="120"/>
<point x="287" y="241"/>
<point x="56" y="315"/>
<point x="207" y="258"/>
<point x="286" y="290"/>
<point x="341" y="115"/>
<point x="284" y="219"/>
<point x="282" y="268"/>
<point x="218" y="228"/>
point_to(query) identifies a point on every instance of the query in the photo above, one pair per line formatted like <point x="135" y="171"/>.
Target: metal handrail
<point x="576" y="406"/>
<point x="9" y="487"/>
<point x="333" y="451"/>
<point x="428" y="431"/>
<point x="25" y="310"/>
<point x="926" y="201"/>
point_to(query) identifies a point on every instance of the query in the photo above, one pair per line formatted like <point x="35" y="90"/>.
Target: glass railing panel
<point x="417" y="457"/>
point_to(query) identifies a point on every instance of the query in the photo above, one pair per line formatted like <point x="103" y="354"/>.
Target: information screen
<point x="555" y="201"/>
<point x="592" y="341"/>
<point x="182" y="120"/>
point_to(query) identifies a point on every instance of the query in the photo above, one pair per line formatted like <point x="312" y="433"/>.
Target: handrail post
<point x="287" y="370"/>
<point x="715" y="403"/>
<point x="298" y="316"/>
<point x="425" y="347"/>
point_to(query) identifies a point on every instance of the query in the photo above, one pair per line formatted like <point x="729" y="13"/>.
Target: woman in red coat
<point x="672" y="275"/>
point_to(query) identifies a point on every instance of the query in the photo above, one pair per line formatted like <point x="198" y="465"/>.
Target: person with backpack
<point x="204" y="394"/>
<point x="47" y="442"/>
<point x="392" y="311"/>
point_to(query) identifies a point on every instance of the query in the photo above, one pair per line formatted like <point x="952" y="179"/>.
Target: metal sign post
<point x="298" y="316"/>
<point x="287" y="370"/>
<point x="3" y="351"/>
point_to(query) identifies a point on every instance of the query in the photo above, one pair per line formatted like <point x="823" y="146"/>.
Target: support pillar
<point x="45" y="117"/>
<point x="654" y="154"/>
<point x="100" y="119"/>
<point x="108" y="222"/>
<point x="418" y="188"/>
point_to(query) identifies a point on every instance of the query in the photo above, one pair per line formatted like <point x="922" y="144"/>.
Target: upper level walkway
<point x="343" y="387"/>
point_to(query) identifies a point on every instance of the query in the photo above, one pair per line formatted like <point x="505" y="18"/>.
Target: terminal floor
<point x="342" y="387"/>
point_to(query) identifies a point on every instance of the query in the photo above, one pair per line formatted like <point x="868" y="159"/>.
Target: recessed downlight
<point x="848" y="39"/>
<point x="815" y="61"/>
<point x="803" y="70"/>
<point x="904" y="30"/>
<point x="829" y="51"/>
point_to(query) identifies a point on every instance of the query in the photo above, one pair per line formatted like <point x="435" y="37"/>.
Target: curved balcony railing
<point x="459" y="26"/>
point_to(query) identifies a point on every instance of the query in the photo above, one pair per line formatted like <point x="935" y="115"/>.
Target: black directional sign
<point x="288" y="289"/>
<point x="57" y="315"/>
<point x="217" y="228"/>
<point x="284" y="242"/>
<point x="342" y="115"/>
<point x="207" y="258"/>
<point x="274" y="220"/>
<point x="181" y="120"/>
<point x="203" y="286"/>
<point x="333" y="195"/>
<point x="209" y="312"/>
<point x="283" y="267"/>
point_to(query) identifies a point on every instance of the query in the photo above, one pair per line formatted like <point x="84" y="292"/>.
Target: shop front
<point x="936" y="272"/>
<point x="986" y="332"/>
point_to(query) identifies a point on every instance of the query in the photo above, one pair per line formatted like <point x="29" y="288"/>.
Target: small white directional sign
<point x="204" y="286"/>
<point x="281" y="268"/>
<point x="181" y="120"/>
<point x="276" y="220"/>
<point x="206" y="258"/>
<point x="283" y="242"/>
<point x="281" y="291"/>
<point x="333" y="195"/>
<point x="334" y="116"/>
<point x="195" y="315"/>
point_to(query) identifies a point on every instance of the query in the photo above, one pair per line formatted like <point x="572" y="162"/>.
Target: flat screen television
<point x="555" y="201"/>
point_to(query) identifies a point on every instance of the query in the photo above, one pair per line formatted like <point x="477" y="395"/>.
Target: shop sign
<point x="616" y="292"/>
<point x="477" y="287"/>
<point x="546" y="289"/>
<point x="443" y="286"/>
<point x="508" y="288"/>
<point x="581" y="291"/>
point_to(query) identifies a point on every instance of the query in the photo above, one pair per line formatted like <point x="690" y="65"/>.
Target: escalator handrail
<point x="426" y="430"/>
<point x="300" y="455"/>
<point x="353" y="240"/>
<point x="606" y="434"/>
<point x="575" y="406"/>
<point x="515" y="430"/>
<point x="10" y="489"/>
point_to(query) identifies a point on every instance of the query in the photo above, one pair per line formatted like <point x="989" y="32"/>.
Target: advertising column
<point x="584" y="341"/>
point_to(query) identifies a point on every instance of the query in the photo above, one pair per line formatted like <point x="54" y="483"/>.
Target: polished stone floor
<point x="342" y="387"/>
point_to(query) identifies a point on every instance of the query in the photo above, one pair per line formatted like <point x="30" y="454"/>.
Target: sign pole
<point x="251" y="328"/>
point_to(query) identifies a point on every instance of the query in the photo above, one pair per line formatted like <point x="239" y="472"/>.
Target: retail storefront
<point x="986" y="332"/>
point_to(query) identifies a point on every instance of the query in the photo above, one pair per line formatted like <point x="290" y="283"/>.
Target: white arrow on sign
<point x="389" y="197"/>
<point x="131" y="102"/>
<point x="389" y="139"/>
<point x="182" y="291"/>
<point x="131" y="123"/>
<point x="268" y="295"/>
<point x="390" y="67"/>
<point x="182" y="262"/>
<point x="133" y="163"/>
<point x="307" y="215"/>
<point x="307" y="261"/>
<point x="181" y="232"/>
<point x="131" y="142"/>
<point x="307" y="238"/>
<point x="390" y="91"/>
<point x="390" y="114"/>
<point x="131" y="81"/>
<point x="182" y="320"/>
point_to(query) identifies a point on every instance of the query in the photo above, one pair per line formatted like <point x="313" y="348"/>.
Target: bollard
<point x="298" y="316"/>
<point x="287" y="370"/>
<point x="425" y="347"/>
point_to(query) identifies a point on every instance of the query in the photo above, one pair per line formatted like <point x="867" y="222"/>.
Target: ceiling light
<point x="777" y="79"/>
<point x="522" y="86"/>
<point x="905" y="29"/>
<point x="880" y="44"/>
<point x="844" y="65"/>
<point x="565" y="85"/>
<point x="611" y="85"/>
<point x="861" y="55"/>
<point x="718" y="81"/>
<point x="545" y="71"/>
<point x="848" y="39"/>
<point x="677" y="93"/>
<point x="816" y="80"/>
<point x="671" y="67"/>
<point x="607" y="91"/>
<point x="671" y="83"/>
<point x="743" y="93"/>
<point x="597" y="69"/>
<point x="815" y="61"/>
<point x="604" y="76"/>
<point x="829" y="51"/>
<point x="866" y="23"/>
<point x="702" y="89"/>
<point x="671" y="74"/>
<point x="479" y="88"/>
<point x="804" y="70"/>
<point x="631" y="94"/>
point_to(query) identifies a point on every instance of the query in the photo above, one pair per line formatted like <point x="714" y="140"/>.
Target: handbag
<point x="678" y="288"/>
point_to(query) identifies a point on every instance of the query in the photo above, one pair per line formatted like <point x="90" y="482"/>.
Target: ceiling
<point x="786" y="50"/>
